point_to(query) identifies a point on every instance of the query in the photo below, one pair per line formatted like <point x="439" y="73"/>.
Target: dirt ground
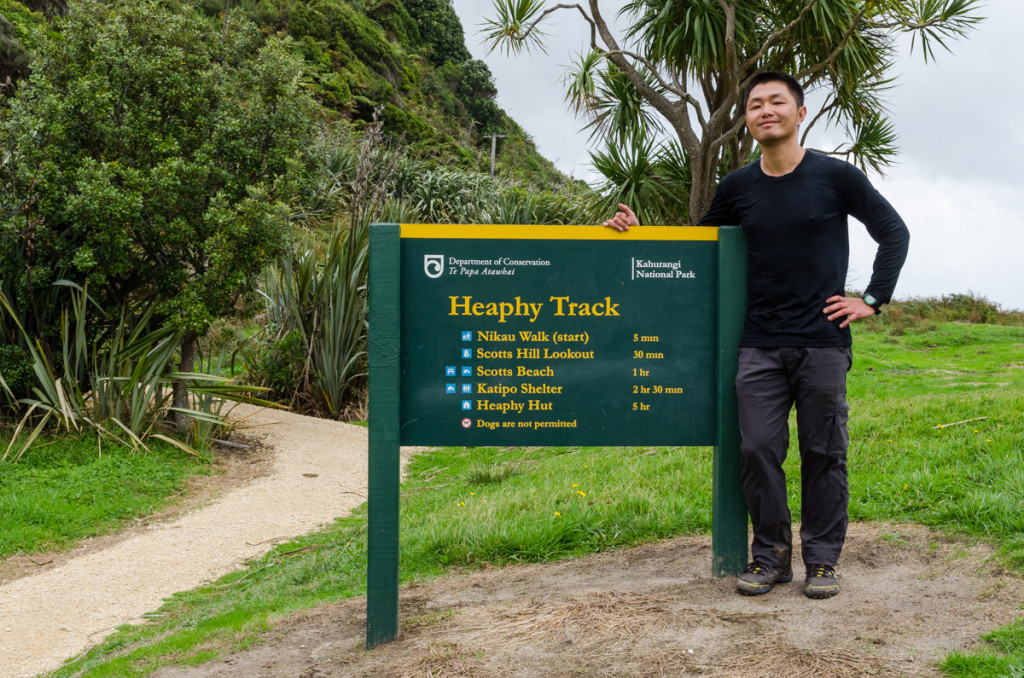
<point x="908" y="599"/>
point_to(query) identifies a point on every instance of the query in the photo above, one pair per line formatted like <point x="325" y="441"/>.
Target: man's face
<point x="772" y="113"/>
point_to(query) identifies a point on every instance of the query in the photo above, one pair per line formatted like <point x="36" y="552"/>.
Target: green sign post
<point x="550" y="335"/>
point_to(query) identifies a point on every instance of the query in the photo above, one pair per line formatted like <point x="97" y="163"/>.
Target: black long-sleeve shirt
<point x="798" y="246"/>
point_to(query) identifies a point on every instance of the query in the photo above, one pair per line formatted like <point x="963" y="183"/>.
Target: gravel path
<point x="317" y="473"/>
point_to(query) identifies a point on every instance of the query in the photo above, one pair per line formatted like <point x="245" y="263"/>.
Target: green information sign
<point x="550" y="335"/>
<point x="512" y="338"/>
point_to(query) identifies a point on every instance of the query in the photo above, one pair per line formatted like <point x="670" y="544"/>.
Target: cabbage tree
<point x="681" y="66"/>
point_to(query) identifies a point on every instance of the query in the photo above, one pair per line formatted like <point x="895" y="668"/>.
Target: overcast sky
<point x="959" y="181"/>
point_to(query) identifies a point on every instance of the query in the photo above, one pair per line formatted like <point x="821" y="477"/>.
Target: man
<point x="795" y="349"/>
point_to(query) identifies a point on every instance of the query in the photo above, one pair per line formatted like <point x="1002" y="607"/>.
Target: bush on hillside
<point x="972" y="308"/>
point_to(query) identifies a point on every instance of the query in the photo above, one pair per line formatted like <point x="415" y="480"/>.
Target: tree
<point x="683" y="64"/>
<point x="149" y="158"/>
<point x="440" y="29"/>
<point x="477" y="91"/>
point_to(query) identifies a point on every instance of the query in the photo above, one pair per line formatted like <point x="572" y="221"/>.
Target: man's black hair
<point x="775" y="76"/>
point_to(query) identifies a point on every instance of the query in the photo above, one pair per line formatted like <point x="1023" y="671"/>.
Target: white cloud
<point x="960" y="167"/>
<point x="965" y="237"/>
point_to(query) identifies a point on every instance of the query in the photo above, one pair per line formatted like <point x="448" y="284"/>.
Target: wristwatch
<point x="873" y="303"/>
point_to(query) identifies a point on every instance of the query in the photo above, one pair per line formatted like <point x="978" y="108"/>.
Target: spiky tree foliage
<point x="682" y="65"/>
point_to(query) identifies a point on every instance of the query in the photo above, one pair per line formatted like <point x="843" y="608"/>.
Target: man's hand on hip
<point x="850" y="308"/>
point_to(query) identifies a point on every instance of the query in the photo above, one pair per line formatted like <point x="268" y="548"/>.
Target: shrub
<point x="404" y="124"/>
<point x="15" y="372"/>
<point x="14" y="58"/>
<point x="281" y="363"/>
<point x="394" y="18"/>
<point x="919" y="312"/>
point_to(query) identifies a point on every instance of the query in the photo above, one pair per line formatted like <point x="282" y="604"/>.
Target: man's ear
<point x="801" y="114"/>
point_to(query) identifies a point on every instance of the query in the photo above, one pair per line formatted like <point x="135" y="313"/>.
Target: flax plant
<point x="323" y="299"/>
<point x="322" y="296"/>
<point x="119" y="385"/>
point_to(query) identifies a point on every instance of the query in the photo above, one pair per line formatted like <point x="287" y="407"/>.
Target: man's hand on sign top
<point x="622" y="220"/>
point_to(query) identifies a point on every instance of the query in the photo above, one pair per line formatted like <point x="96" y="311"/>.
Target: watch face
<point x="870" y="300"/>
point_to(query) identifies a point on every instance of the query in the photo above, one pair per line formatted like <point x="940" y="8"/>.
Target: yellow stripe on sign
<point x="550" y="232"/>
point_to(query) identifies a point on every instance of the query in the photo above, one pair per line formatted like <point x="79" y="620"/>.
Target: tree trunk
<point x="180" y="397"/>
<point x="704" y="170"/>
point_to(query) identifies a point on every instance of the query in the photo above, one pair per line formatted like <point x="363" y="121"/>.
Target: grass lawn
<point x="61" y="491"/>
<point x="937" y="430"/>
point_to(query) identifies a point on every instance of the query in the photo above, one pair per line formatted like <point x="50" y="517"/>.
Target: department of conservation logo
<point x="433" y="265"/>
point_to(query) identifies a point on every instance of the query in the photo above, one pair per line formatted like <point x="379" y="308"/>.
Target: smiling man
<point x="793" y="205"/>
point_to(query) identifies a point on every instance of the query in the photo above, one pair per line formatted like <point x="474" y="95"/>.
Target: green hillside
<point x="404" y="60"/>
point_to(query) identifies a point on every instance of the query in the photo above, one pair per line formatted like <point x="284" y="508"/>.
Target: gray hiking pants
<point x="769" y="383"/>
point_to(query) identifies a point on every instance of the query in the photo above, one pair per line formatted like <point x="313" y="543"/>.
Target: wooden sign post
<point x="550" y="335"/>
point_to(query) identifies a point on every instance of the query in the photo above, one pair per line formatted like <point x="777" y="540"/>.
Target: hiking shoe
<point x="821" y="582"/>
<point x="759" y="578"/>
